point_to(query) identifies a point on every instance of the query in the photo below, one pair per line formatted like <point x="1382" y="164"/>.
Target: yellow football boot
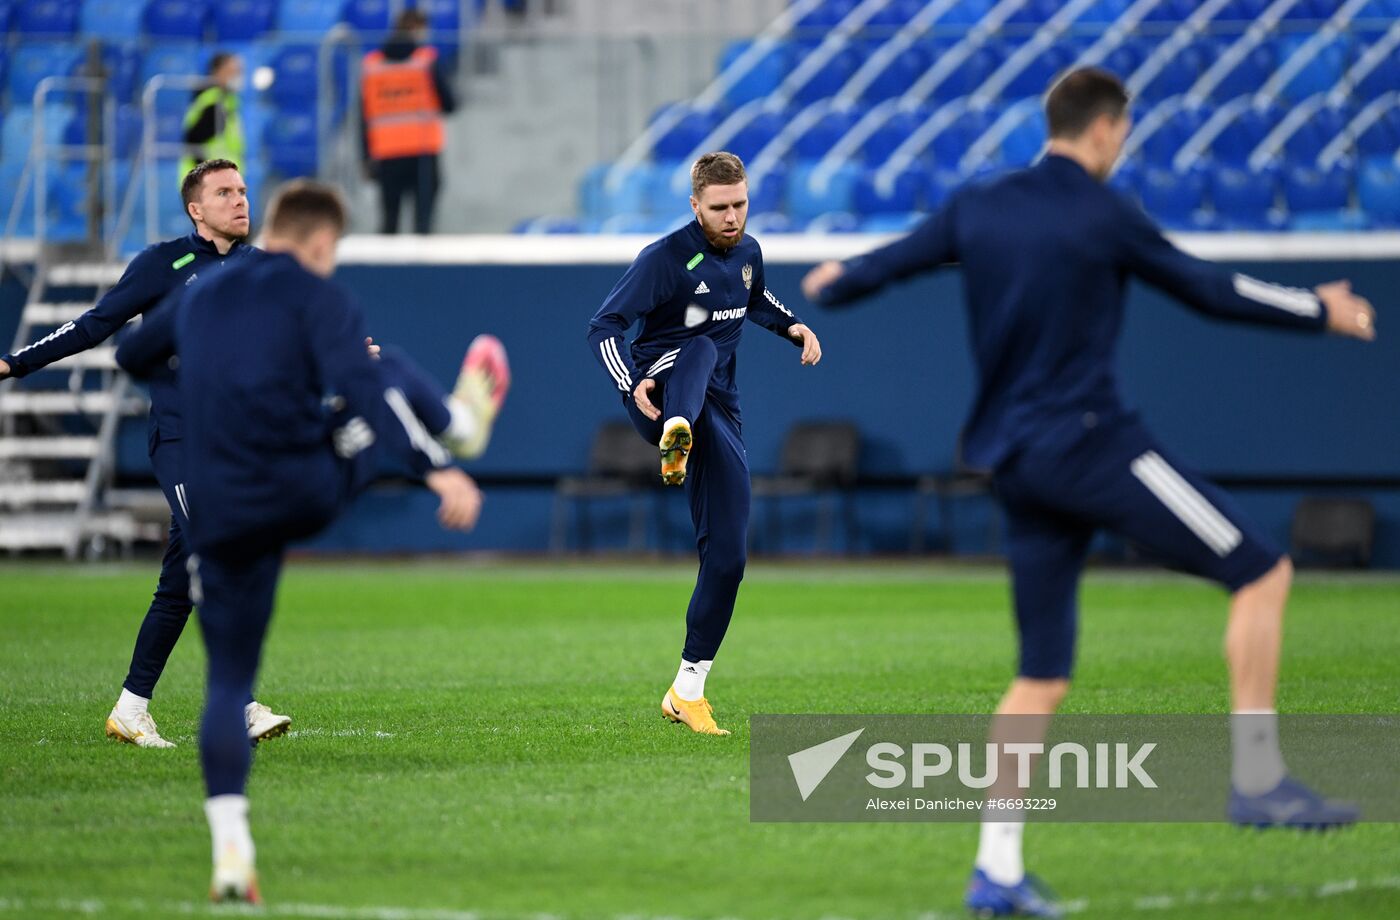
<point x="699" y="715"/>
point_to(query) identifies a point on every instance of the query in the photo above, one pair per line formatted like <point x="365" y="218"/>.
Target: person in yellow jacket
<point x="403" y="99"/>
<point x="213" y="128"/>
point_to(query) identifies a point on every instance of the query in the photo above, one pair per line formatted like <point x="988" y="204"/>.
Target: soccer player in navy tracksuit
<point x="286" y="418"/>
<point x="1046" y="253"/>
<point x="692" y="290"/>
<point x="216" y="201"/>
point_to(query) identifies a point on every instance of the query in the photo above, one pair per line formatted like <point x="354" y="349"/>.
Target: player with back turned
<point x="692" y="291"/>
<point x="287" y="418"/>
<point x="1046" y="253"/>
<point x="216" y="201"/>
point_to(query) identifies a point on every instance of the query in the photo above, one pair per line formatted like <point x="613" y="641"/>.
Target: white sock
<point x="690" y="679"/>
<point x="228" y="825"/>
<point x="129" y="705"/>
<point x="1258" y="764"/>
<point x="999" y="851"/>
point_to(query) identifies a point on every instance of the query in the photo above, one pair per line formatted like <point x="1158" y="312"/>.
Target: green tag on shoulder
<point x="184" y="260"/>
<point x="695" y="260"/>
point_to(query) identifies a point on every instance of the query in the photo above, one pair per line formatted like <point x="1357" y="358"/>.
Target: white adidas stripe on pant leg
<point x="670" y="355"/>
<point x="1188" y="505"/>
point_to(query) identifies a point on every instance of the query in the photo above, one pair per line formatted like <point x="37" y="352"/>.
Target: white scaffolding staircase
<point x="58" y="425"/>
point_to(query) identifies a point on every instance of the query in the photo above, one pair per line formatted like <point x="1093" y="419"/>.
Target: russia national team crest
<point x="748" y="277"/>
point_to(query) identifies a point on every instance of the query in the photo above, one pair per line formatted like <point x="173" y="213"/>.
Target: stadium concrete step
<point x="40" y="313"/>
<point x="87" y="274"/>
<point x="65" y="447"/>
<point x="102" y="359"/>
<point x="51" y="492"/>
<point x="62" y="402"/>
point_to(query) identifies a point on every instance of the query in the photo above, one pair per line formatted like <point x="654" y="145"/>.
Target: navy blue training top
<point x="155" y="272"/>
<point x="1046" y="254"/>
<point x="682" y="286"/>
<point x="277" y="391"/>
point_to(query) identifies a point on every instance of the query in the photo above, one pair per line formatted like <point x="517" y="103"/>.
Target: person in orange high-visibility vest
<point x="403" y="99"/>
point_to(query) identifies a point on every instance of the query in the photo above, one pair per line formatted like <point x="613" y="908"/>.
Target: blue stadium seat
<point x="46" y="18"/>
<point x="760" y="81"/>
<point x="1168" y="139"/>
<point x="898" y="75"/>
<point x="1239" y="10"/>
<point x="1344" y="221"/>
<point x="892" y="15"/>
<point x="1127" y="56"/>
<point x="176" y="59"/>
<point x="1319" y="131"/>
<point x="968" y="12"/>
<point x="7" y="14"/>
<point x="290" y="142"/>
<point x="770" y="222"/>
<point x="1170" y="11"/>
<point x="1240" y="138"/>
<point x="884" y="140"/>
<point x="1025" y="142"/>
<point x="370" y="16"/>
<point x="1321" y="73"/>
<point x="1378" y="191"/>
<point x="1307" y="188"/>
<point x="629" y="197"/>
<point x="111" y="19"/>
<point x="1105" y="11"/>
<point x="1380" y="9"/>
<point x="128" y="127"/>
<point x="754" y="136"/>
<point x="170" y="124"/>
<point x="243" y="20"/>
<point x="950" y="144"/>
<point x="548" y="224"/>
<point x="33" y="61"/>
<point x="818" y="140"/>
<point x="1311" y="10"/>
<point x="591" y="194"/>
<point x="695" y="125"/>
<point x="294" y="81"/>
<point x="967" y="78"/>
<point x="660" y="195"/>
<point x="1243" y="198"/>
<point x="1382" y="138"/>
<point x="1034" y="12"/>
<point x="305" y="18"/>
<point x="21" y="125"/>
<point x="123" y="66"/>
<point x="1171" y="197"/>
<point x="833" y="222"/>
<point x="1249" y="74"/>
<point x="1036" y="77"/>
<point x="805" y="201"/>
<point x="890" y="223"/>
<point x="1182" y="71"/>
<point x="905" y="193"/>
<point x="830" y="78"/>
<point x="823" y="17"/>
<point x="176" y="19"/>
<point x="769" y="192"/>
<point x="1384" y="78"/>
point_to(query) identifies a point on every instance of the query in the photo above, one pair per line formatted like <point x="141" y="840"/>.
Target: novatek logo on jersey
<point x="733" y="313"/>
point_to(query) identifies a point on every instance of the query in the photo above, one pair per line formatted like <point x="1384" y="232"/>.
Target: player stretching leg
<point x="1046" y="252"/>
<point x="216" y="201"/>
<point x="286" y="419"/>
<point x="692" y="291"/>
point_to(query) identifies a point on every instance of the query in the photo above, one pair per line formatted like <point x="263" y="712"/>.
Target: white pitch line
<point x="1138" y="904"/>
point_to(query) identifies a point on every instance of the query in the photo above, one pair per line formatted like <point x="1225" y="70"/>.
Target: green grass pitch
<point x="485" y="741"/>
